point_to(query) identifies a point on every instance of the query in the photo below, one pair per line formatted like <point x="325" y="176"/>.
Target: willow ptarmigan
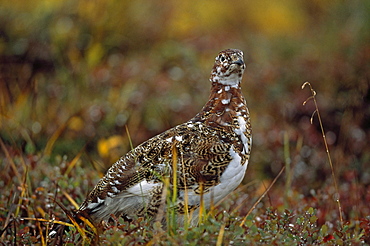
<point x="212" y="152"/>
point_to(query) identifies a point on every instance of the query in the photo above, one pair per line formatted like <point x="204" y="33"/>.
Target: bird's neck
<point x="225" y="104"/>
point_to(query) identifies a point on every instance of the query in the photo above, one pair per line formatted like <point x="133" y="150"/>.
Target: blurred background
<point x="91" y="77"/>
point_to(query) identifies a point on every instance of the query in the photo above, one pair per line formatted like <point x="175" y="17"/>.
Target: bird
<point x="204" y="158"/>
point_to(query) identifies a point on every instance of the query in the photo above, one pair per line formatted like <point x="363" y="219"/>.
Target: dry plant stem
<point x="23" y="194"/>
<point x="59" y="131"/>
<point x="71" y="200"/>
<point x="172" y="211"/>
<point x="49" y="221"/>
<point x="73" y="163"/>
<point x="313" y="97"/>
<point x="42" y="238"/>
<point x="51" y="141"/>
<point x="262" y="196"/>
<point x="83" y="232"/>
<point x="174" y="171"/>
<point x="11" y="162"/>
<point x="201" y="206"/>
<point x="288" y="165"/>
<point x="220" y="235"/>
<point x="129" y="137"/>
<point x="186" y="206"/>
<point x="242" y="203"/>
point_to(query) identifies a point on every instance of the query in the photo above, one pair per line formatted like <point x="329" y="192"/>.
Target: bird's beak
<point x="239" y="62"/>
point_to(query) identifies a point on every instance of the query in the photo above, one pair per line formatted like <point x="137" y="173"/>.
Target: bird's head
<point x="228" y="68"/>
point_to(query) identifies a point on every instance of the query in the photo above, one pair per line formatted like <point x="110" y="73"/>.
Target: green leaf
<point x="324" y="230"/>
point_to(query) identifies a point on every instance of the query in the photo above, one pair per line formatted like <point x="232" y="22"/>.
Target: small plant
<point x="313" y="97"/>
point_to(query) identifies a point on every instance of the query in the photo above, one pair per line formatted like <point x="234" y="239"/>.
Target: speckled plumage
<point x="211" y="152"/>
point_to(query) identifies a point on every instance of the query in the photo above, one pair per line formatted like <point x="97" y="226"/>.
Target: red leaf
<point x="328" y="238"/>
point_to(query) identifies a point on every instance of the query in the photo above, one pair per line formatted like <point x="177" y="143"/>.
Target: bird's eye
<point x="221" y="58"/>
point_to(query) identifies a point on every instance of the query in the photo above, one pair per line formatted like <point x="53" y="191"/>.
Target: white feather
<point x="143" y="188"/>
<point x="229" y="181"/>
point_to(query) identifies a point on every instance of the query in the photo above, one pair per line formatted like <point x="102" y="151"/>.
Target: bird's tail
<point x="77" y="219"/>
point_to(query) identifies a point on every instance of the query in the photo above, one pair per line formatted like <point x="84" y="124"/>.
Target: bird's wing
<point x="200" y="156"/>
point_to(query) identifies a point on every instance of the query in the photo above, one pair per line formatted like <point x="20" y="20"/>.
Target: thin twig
<point x="262" y="196"/>
<point x="313" y="97"/>
<point x="11" y="162"/>
<point x="129" y="137"/>
<point x="220" y="235"/>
